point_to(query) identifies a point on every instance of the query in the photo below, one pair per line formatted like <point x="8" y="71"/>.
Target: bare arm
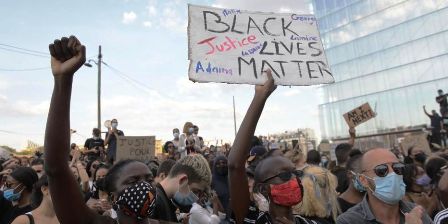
<point x="426" y="112"/>
<point x="84" y="177"/>
<point x="352" y="132"/>
<point x="239" y="191"/>
<point x="68" y="55"/>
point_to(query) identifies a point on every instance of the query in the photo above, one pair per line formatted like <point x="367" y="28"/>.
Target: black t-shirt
<point x="8" y="213"/>
<point x="341" y="175"/>
<point x="435" y="121"/>
<point x="93" y="143"/>
<point x="165" y="209"/>
<point x="444" y="102"/>
<point x="344" y="205"/>
<point x="112" y="145"/>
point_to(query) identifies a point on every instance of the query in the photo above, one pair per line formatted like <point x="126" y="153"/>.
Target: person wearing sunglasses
<point x="275" y="176"/>
<point x="382" y="176"/>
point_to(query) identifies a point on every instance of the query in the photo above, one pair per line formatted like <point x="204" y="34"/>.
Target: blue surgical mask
<point x="356" y="183"/>
<point x="389" y="189"/>
<point x="11" y="196"/>
<point x="191" y="130"/>
<point x="185" y="199"/>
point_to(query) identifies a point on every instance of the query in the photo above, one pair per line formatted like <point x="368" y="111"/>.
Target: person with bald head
<point x="276" y="178"/>
<point x="382" y="176"/>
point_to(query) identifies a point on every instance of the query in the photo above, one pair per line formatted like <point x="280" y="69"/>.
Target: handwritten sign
<point x="359" y="115"/>
<point x="136" y="147"/>
<point x="236" y="46"/>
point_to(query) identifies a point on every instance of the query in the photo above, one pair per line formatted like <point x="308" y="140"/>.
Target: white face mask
<point x="261" y="202"/>
<point x="176" y="135"/>
<point x="114" y="125"/>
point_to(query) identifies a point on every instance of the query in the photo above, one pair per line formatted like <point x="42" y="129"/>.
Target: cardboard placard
<point x="235" y="46"/>
<point x="359" y="115"/>
<point x="136" y="147"/>
<point x="417" y="141"/>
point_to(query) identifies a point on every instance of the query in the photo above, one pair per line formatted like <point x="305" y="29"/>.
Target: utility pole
<point x="234" y="115"/>
<point x="100" y="56"/>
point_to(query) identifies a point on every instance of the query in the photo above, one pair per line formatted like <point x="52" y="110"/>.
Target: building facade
<point x="390" y="53"/>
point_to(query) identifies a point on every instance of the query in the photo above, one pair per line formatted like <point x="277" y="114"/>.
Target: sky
<point x="146" y="86"/>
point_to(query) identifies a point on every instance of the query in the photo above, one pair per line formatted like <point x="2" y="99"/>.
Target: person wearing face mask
<point x="324" y="161"/>
<point x="275" y="177"/>
<point x="417" y="155"/>
<point x="186" y="140"/>
<point x="15" y="199"/>
<point x="382" y="177"/>
<point x="198" y="142"/>
<point x="97" y="197"/>
<point x="122" y="180"/>
<point x="220" y="182"/>
<point x="43" y="212"/>
<point x="176" y="135"/>
<point x="111" y="141"/>
<point x="94" y="147"/>
<point x="418" y="190"/>
<point x="188" y="175"/>
<point x="355" y="191"/>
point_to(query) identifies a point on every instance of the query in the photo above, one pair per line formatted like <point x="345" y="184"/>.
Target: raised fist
<point x="67" y="56"/>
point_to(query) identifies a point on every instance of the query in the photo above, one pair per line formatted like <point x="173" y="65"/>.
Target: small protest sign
<point x="359" y="115"/>
<point x="236" y="46"/>
<point x="136" y="147"/>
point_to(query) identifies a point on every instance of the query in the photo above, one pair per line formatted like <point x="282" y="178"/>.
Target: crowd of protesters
<point x="248" y="182"/>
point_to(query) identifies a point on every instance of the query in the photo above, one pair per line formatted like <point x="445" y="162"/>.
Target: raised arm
<point x="352" y="132"/>
<point x="67" y="56"/>
<point x="426" y="112"/>
<point x="239" y="192"/>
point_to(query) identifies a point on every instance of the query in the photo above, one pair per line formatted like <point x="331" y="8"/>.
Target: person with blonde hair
<point x="319" y="197"/>
<point x="186" y="140"/>
<point x="187" y="180"/>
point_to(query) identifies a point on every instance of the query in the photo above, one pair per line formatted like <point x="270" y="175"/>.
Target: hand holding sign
<point x="267" y="88"/>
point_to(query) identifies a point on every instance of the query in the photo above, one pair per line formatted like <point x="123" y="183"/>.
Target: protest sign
<point x="136" y="147"/>
<point x="359" y="115"/>
<point x="416" y="141"/>
<point x="236" y="46"/>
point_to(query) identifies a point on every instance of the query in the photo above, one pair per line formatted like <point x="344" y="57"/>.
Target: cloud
<point x="129" y="17"/>
<point x="147" y="24"/>
<point x="172" y="20"/>
<point x="152" y="11"/>
<point x="292" y="92"/>
<point x="296" y="6"/>
<point x="22" y="108"/>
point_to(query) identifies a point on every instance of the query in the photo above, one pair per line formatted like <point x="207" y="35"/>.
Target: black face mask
<point x="222" y="170"/>
<point x="421" y="158"/>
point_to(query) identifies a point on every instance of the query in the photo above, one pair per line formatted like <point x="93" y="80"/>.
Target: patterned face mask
<point x="137" y="201"/>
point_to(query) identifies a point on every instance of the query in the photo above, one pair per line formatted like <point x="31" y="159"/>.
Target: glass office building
<point x="390" y="53"/>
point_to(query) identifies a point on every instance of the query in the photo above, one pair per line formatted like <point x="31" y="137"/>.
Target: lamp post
<point x="98" y="64"/>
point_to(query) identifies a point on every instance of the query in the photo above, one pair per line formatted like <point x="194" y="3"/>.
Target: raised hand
<point x="268" y="87"/>
<point x="415" y="215"/>
<point x="67" y="56"/>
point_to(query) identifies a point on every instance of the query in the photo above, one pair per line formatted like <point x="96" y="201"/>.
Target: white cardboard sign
<point x="235" y="46"/>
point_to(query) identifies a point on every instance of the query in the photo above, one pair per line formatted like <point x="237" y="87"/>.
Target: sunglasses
<point x="285" y="176"/>
<point x="383" y="169"/>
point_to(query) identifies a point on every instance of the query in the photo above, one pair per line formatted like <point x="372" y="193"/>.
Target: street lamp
<point x="98" y="64"/>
